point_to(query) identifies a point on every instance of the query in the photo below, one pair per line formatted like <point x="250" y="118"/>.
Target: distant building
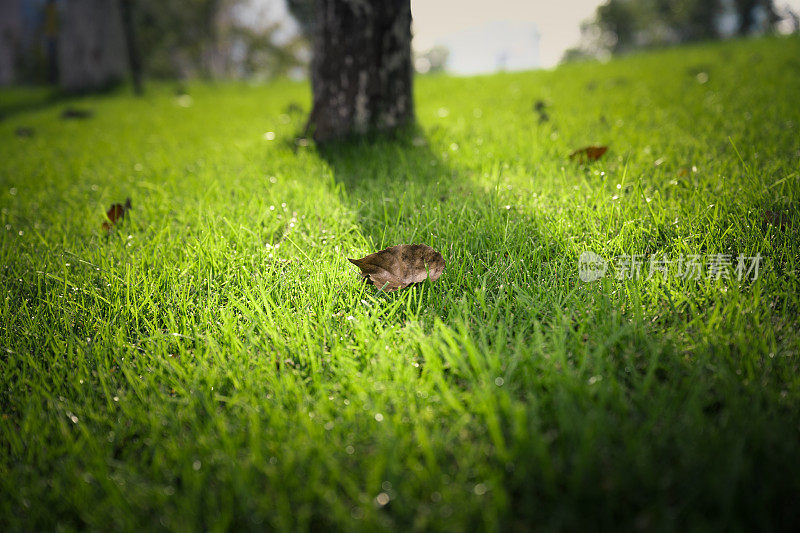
<point x="493" y="46"/>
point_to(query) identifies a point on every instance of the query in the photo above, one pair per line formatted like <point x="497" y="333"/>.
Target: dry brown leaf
<point x="541" y="107"/>
<point x="116" y="213"/>
<point x="400" y="266"/>
<point x="72" y="113"/>
<point x="588" y="153"/>
<point x="780" y="219"/>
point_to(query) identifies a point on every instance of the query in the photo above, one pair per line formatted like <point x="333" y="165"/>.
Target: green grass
<point x="215" y="363"/>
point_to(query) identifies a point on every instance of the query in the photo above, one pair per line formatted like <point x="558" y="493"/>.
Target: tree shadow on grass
<point x="397" y="185"/>
<point x="21" y="100"/>
<point x="404" y="190"/>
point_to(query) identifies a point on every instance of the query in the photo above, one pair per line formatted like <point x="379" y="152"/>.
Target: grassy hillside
<point x="215" y="363"/>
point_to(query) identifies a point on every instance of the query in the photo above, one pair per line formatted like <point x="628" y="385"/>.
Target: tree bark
<point x="361" y="72"/>
<point x="132" y="44"/>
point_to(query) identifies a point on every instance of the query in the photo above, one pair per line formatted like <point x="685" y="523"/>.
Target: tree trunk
<point x="10" y="40"/>
<point x="132" y="44"/>
<point x="361" y="73"/>
<point x="91" y="46"/>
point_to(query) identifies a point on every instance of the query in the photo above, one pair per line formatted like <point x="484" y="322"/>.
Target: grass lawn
<point x="215" y="362"/>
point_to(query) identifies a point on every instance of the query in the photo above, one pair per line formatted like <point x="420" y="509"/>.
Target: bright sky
<point x="558" y="21"/>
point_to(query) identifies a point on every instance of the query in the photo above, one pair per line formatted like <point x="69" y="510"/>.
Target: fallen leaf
<point x="541" y="108"/>
<point x="400" y="266"/>
<point x="292" y="109"/>
<point x="780" y="219"/>
<point x="116" y="213"/>
<point x="73" y="113"/>
<point x="588" y="153"/>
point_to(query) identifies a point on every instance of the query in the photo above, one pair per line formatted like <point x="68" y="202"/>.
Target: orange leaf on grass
<point x="116" y="213"/>
<point x="588" y="153"/>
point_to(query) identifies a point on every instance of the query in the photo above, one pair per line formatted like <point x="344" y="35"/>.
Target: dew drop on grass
<point x="378" y="417"/>
<point x="480" y="489"/>
<point x="382" y="499"/>
<point x="499" y="381"/>
<point x="269" y="136"/>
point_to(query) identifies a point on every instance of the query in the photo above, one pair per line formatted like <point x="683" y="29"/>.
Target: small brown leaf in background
<point x="116" y="213"/>
<point x="588" y="153"/>
<point x="780" y="219"/>
<point x="400" y="266"/>
<point x="541" y="108"/>
<point x="73" y="113"/>
<point x="292" y="108"/>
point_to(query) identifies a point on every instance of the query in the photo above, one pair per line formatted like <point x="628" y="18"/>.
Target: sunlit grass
<point x="215" y="363"/>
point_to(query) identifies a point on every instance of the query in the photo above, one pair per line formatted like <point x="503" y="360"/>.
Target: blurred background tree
<point x="91" y="44"/>
<point x="214" y="39"/>
<point x="87" y="38"/>
<point x="623" y="25"/>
